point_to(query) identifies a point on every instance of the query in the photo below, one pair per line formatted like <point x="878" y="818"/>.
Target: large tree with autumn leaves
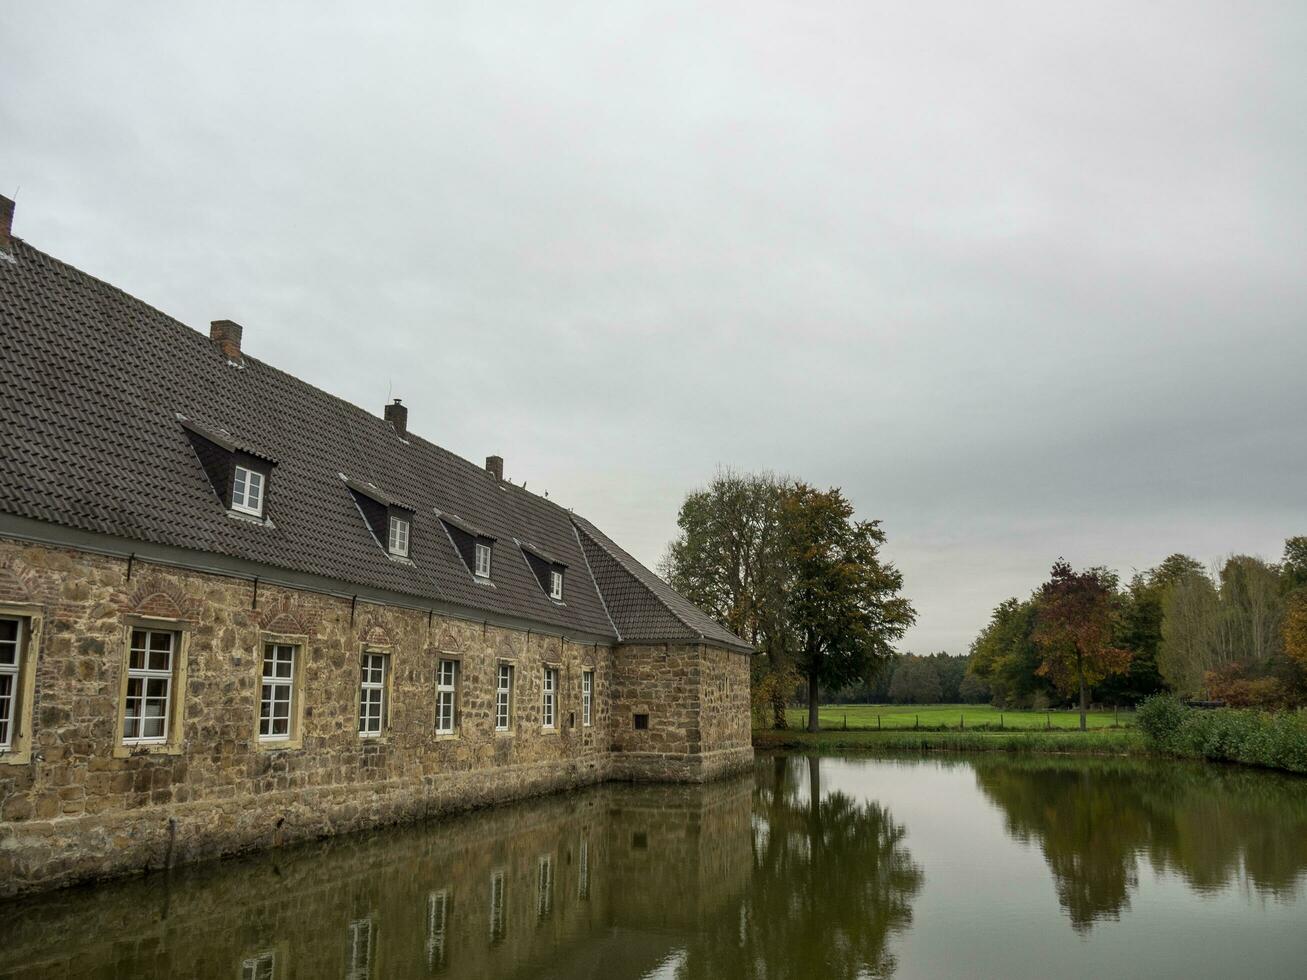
<point x="1075" y="620"/>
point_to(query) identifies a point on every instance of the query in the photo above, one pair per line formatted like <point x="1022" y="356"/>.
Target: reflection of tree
<point x="1093" y="821"/>
<point x="831" y="883"/>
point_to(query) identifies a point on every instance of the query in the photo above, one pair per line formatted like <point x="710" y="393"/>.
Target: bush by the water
<point x="1277" y="740"/>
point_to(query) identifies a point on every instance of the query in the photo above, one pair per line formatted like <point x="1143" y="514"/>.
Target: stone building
<point x="237" y="611"/>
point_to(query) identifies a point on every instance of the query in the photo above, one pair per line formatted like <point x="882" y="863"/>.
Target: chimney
<point x="397" y="415"/>
<point x="495" y="466"/>
<point x="227" y="336"/>
<point x="6" y="221"/>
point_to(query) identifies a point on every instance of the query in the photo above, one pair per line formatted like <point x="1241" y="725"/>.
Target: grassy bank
<point x="1272" y="740"/>
<point x="957" y="717"/>
<point x="1102" y="741"/>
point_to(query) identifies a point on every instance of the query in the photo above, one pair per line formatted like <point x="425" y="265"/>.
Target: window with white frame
<point x="398" y="542"/>
<point x="548" y="702"/>
<point x="278" y="695"/>
<point x="556" y="585"/>
<point x="497" y="921"/>
<point x="261" y="967"/>
<point x="437" y="923"/>
<point x="504" y="698"/>
<point x="482" y="559"/>
<point x="360" y="950"/>
<point x="446" y="696"/>
<point x="151" y="658"/>
<point x="587" y="697"/>
<point x="11" y="667"/>
<point x="545" y="885"/>
<point x="372" y="694"/>
<point x="247" y="491"/>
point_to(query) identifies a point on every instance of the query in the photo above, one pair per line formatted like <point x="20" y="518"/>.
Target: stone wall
<point x="86" y="806"/>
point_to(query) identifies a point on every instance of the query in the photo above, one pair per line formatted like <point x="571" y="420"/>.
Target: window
<point x="399" y="537"/>
<point x="547" y="703"/>
<point x="504" y="698"/>
<point x="360" y="950"/>
<point x="437" y="922"/>
<point x="497" y="886"/>
<point x="11" y="666"/>
<point x="545" y="885"/>
<point x="148" y="705"/>
<point x="483" y="560"/>
<point x="372" y="694"/>
<point x="641" y="722"/>
<point x="277" y="697"/>
<point x="247" y="491"/>
<point x="556" y="585"/>
<point x="587" y="696"/>
<point x="261" y="967"/>
<point x="446" y="696"/>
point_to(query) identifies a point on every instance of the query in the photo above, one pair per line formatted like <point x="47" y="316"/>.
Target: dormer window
<point x="247" y="491"/>
<point x="398" y="536"/>
<point x="473" y="545"/>
<point x="239" y="474"/>
<point x="482" y="559"/>
<point x="548" y="570"/>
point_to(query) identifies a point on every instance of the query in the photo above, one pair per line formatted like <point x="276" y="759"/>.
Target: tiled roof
<point x="94" y="383"/>
<point x="643" y="606"/>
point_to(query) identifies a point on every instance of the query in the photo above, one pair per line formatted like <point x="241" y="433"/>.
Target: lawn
<point x="951" y="716"/>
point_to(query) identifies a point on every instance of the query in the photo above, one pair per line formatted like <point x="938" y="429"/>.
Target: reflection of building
<point x="609" y="876"/>
<point x="236" y="611"/>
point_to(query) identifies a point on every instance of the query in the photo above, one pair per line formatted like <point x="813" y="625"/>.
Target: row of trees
<point x="789" y="568"/>
<point x="1237" y="634"/>
<point x="906" y="678"/>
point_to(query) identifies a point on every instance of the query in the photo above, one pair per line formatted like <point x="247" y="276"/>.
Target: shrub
<point x="1160" y="718"/>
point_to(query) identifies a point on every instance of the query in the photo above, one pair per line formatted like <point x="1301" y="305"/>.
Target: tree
<point x="916" y="681"/>
<point x="843" y="603"/>
<point x="1074" y="622"/>
<point x="1004" y="656"/>
<point x="1190" y="627"/>
<point x="973" y="690"/>
<point x="728" y="559"/>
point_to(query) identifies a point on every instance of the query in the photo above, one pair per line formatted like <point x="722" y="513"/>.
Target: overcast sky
<point x="1026" y="280"/>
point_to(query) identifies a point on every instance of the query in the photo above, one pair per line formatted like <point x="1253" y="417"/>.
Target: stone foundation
<point x="78" y="804"/>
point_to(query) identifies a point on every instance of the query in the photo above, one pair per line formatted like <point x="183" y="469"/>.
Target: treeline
<point x="906" y="678"/>
<point x="1237" y="634"/>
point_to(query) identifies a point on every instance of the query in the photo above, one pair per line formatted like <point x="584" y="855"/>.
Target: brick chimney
<point x="227" y="336"/>
<point x="495" y="466"/>
<point x="397" y="415"/>
<point x="6" y="222"/>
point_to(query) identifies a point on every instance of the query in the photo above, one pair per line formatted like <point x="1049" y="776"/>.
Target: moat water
<point x="824" y="867"/>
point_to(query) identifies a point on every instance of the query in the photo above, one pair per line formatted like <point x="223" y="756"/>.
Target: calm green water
<point x="829" y="867"/>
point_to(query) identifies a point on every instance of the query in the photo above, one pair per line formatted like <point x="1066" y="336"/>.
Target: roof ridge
<point x="626" y="568"/>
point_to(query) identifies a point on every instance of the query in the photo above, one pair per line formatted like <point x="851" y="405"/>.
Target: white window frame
<point x="360" y="942"/>
<point x="143" y="676"/>
<point x="374" y="668"/>
<point x="556" y="585"/>
<point x="587" y="697"/>
<point x="549" y="699"/>
<point x="261" y="966"/>
<point x="246" y="486"/>
<point x="545" y="886"/>
<point x="447" y="672"/>
<point x="11" y="675"/>
<point x="498" y="921"/>
<point x="277" y="688"/>
<point x="481" y="568"/>
<point x="397" y="538"/>
<point x="437" y="927"/>
<point x="504" y="697"/>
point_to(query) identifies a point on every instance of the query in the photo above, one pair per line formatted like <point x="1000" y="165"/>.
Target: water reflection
<point x="1095" y="822"/>
<point x="807" y="868"/>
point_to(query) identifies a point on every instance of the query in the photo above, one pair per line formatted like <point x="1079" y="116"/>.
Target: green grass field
<point x="942" y="717"/>
<point x="1059" y="741"/>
